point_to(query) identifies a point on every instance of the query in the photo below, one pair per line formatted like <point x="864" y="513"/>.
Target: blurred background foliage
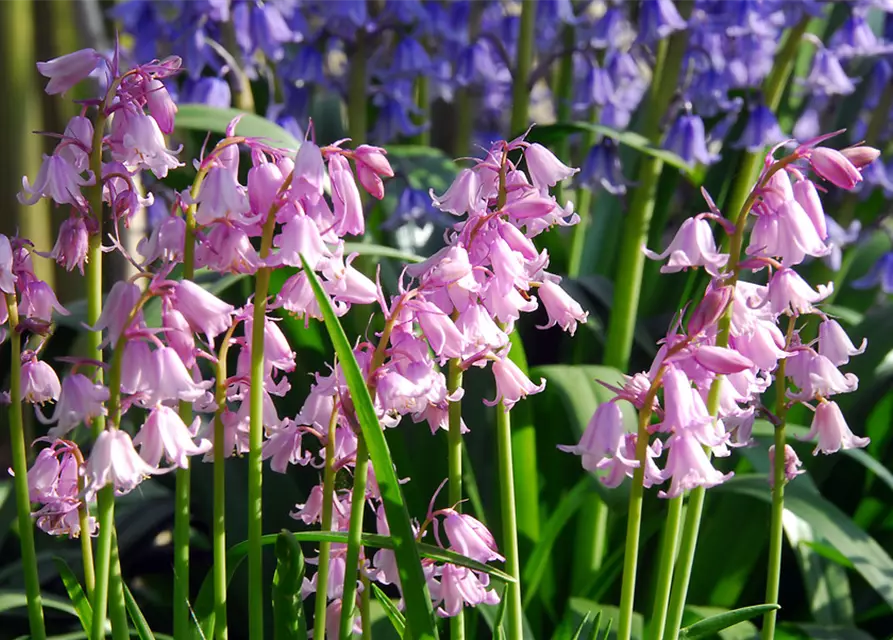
<point x="837" y="579"/>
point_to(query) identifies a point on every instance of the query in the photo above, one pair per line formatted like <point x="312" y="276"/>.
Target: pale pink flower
<point x="561" y="308"/>
<point x="511" y="383"/>
<point x="348" y="208"/>
<point x="693" y="246"/>
<point x="787" y="232"/>
<point x="309" y="173"/>
<point x="222" y="197"/>
<point x="688" y="466"/>
<point x="38" y="301"/>
<point x="118" y="306"/>
<point x="138" y="143"/>
<point x="469" y="537"/>
<point x="460" y="586"/>
<point x="264" y="182"/>
<point x="165" y="242"/>
<point x="57" y="180"/>
<point x="178" y="334"/>
<point x="204" y="311"/>
<point x="832" y="430"/>
<point x="835" y="344"/>
<point x="114" y="461"/>
<point x="441" y="332"/>
<point x="284" y="447"/>
<point x="7" y="275"/>
<point x="80" y="400"/>
<point x="545" y="169"/>
<point x="66" y="71"/>
<point x="70" y="250"/>
<point x="791" y="295"/>
<point x="161" y="105"/>
<point x="463" y="195"/>
<point x="300" y="236"/>
<point x="603" y="439"/>
<point x="792" y="464"/>
<point x="165" y="433"/>
<point x="39" y="382"/>
<point x="77" y="143"/>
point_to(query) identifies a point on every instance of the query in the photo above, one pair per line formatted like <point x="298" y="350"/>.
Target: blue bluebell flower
<point x="594" y="84"/>
<point x="686" y="139"/>
<point x="602" y="169"/>
<point x="214" y="92"/>
<point x="657" y="20"/>
<point x="413" y="207"/>
<point x="410" y="58"/>
<point x="305" y="67"/>
<point x="761" y="130"/>
<point x="827" y="75"/>
<point x="838" y="239"/>
<point x="855" y="37"/>
<point x="881" y="273"/>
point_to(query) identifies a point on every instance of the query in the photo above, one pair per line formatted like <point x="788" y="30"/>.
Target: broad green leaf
<point x="422" y="167"/>
<point x="717" y="623"/>
<point x="870" y="560"/>
<point x="390" y="609"/>
<point x="380" y="251"/>
<point x="136" y="616"/>
<point x="200" y="117"/>
<point x="419" y="611"/>
<point x="76" y="594"/>
<point x="549" y="133"/>
<point x="288" y="608"/>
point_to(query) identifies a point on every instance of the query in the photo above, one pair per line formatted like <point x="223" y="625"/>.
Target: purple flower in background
<point x="761" y="130"/>
<point x="855" y="38"/>
<point x="596" y="85"/>
<point x="838" y="238"/>
<point x="657" y="20"/>
<point x="687" y="140"/>
<point x="602" y="169"/>
<point x="827" y="75"/>
<point x="413" y="206"/>
<point x="881" y="273"/>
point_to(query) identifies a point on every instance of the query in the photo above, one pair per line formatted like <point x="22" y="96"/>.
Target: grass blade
<point x="714" y="624"/>
<point x="288" y="608"/>
<point x="76" y="594"/>
<point x="390" y="609"/>
<point x="137" y="617"/>
<point x="581" y="626"/>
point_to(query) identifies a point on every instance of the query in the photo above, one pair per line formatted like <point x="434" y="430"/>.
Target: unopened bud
<point x="861" y="156"/>
<point x="710" y="309"/>
<point x="834" y="167"/>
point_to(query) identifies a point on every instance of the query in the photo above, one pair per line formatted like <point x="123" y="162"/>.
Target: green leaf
<point x="583" y="622"/>
<point x="390" y="609"/>
<point x="76" y="594"/>
<point x="10" y="600"/>
<point x="717" y="623"/>
<point x="422" y="167"/>
<point x="547" y="134"/>
<point x="200" y="117"/>
<point x="288" y="608"/>
<point x="419" y="611"/>
<point x="137" y="617"/>
<point x="380" y="251"/>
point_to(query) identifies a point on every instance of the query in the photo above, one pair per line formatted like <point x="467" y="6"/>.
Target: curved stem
<point x="665" y="569"/>
<point x="454" y="452"/>
<point x="520" y="93"/>
<point x="513" y="614"/>
<point x="20" y="477"/>
<point x="328" y="495"/>
<point x="354" y="534"/>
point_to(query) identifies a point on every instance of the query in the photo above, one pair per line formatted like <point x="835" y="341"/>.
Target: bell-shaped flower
<point x="70" y="250"/>
<point x="228" y="250"/>
<point x="764" y="345"/>
<point x="204" y="311"/>
<point x="161" y="105"/>
<point x="544" y="168"/>
<point x="511" y="384"/>
<point x="118" y="306"/>
<point x="77" y="141"/>
<point x="440" y="331"/>
<point x="602" y="169"/>
<point x="688" y="466"/>
<point x="264" y="183"/>
<point x="347" y="284"/>
<point x="57" y="180"/>
<point x="789" y="233"/>
<point x="460" y="586"/>
<point x="833" y="166"/>
<point x="297" y="297"/>
<point x="693" y="246"/>
<point x="463" y="196"/>
<point x="221" y="197"/>
<point x="66" y="71"/>
<point x="880" y="273"/>
<point x="792" y="464"/>
<point x="284" y="448"/>
<point x="815" y="375"/>
<point x="835" y="344"/>
<point x="687" y="139"/>
<point x="624" y="464"/>
<point x="165" y="242"/>
<point x="807" y="196"/>
<point x="604" y="438"/>
<point x="560" y="307"/>
<point x="790" y="294"/>
<point x="348" y="207"/>
<point x="827" y="75"/>
<point x="832" y="430"/>
<point x="138" y="142"/>
<point x="39" y="382"/>
<point x="310" y="171"/>
<point x="507" y="306"/>
<point x="114" y="461"/>
<point x="165" y="433"/>
<point x="300" y="236"/>
<point x="80" y="400"/>
<point x="178" y="334"/>
<point x="171" y="380"/>
<point x="469" y="537"/>
<point x="761" y="130"/>
<point x="38" y="301"/>
<point x="657" y="20"/>
<point x="480" y="331"/>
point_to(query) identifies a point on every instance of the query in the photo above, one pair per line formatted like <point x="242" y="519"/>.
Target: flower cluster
<point x="706" y="381"/>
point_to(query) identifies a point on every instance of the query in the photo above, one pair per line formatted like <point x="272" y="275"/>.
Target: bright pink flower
<point x="284" y="447"/>
<point x="463" y="196"/>
<point x="693" y="246"/>
<point x="834" y="167"/>
<point x="348" y="207"/>
<point x="346" y="284"/>
<point x="300" y="236"/>
<point x="603" y="439"/>
<point x="441" y="332"/>
<point x="792" y="464"/>
<point x="80" y="400"/>
<point x="66" y="71"/>
<point x="511" y="383"/>
<point x="480" y="331"/>
<point x="561" y="308"/>
<point x="372" y="166"/>
<point x="832" y="430"/>
<point x="204" y="311"/>
<point x="469" y="537"/>
<point x="222" y="198"/>
<point x="309" y="173"/>
<point x="114" y="461"/>
<point x="835" y="344"/>
<point x="710" y="309"/>
<point x="688" y="466"/>
<point x="228" y="250"/>
<point x="460" y="586"/>
<point x="791" y="295"/>
<point x="57" y="180"/>
<point x="39" y="382"/>
<point x="764" y="346"/>
<point x="118" y="306"/>
<point x="264" y="182"/>
<point x="297" y="297"/>
<point x="507" y="306"/>
<point x="544" y="168"/>
<point x="161" y="105"/>
<point x="70" y="250"/>
<point x="165" y="433"/>
<point x="787" y="232"/>
<point x="7" y="276"/>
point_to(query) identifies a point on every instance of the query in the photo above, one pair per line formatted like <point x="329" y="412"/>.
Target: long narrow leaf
<point x="137" y="617"/>
<point x="201" y="117"/>
<point x="288" y="608"/>
<point x="390" y="609"/>
<point x="721" y="621"/>
<point x="582" y="626"/>
<point x="76" y="594"/>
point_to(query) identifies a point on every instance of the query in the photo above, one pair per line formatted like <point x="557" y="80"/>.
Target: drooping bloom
<point x="114" y="461"/>
<point x="66" y="71"/>
<point x="693" y="246"/>
<point x="832" y="430"/>
<point x="165" y="433"/>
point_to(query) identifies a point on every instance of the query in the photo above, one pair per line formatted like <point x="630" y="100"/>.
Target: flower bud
<point x="710" y="309"/>
<point x="861" y="156"/>
<point x="161" y="106"/>
<point x="834" y="167"/>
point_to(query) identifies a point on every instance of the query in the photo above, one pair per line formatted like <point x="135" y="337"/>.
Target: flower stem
<point x="105" y="514"/>
<point x="684" y="562"/>
<point x="117" y="606"/>
<point x="356" y="93"/>
<point x="328" y="491"/>
<point x="20" y="478"/>
<point x="454" y="452"/>
<point x="423" y="119"/>
<point x="665" y="569"/>
<point x="86" y="540"/>
<point x="354" y="534"/>
<point x="255" y="441"/>
<point x="365" y="609"/>
<point x="583" y="202"/>
<point x="520" y="93"/>
<point x="513" y="614"/>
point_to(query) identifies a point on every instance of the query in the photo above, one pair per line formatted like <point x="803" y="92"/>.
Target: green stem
<point x="366" y="609"/>
<point x="86" y="540"/>
<point x="20" y="478"/>
<point x="520" y="93"/>
<point x="117" y="606"/>
<point x="454" y="452"/>
<point x="622" y="322"/>
<point x="513" y="613"/>
<point x="684" y="562"/>
<point x="423" y="119"/>
<point x="105" y="514"/>
<point x="665" y="569"/>
<point x="255" y="440"/>
<point x="564" y="86"/>
<point x="356" y="92"/>
<point x="583" y="204"/>
<point x="328" y="491"/>
<point x="354" y="543"/>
